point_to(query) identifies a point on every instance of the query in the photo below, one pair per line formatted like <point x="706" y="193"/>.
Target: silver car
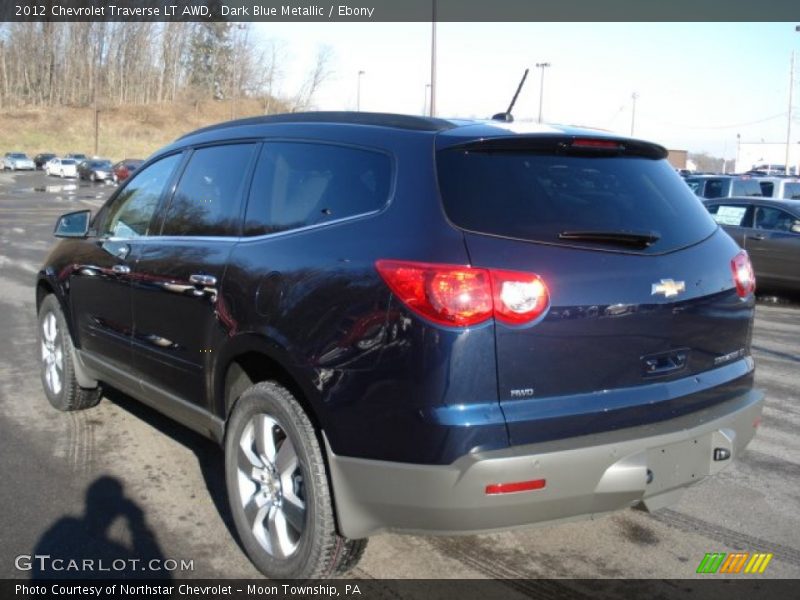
<point x="17" y="161"/>
<point x="780" y="187"/>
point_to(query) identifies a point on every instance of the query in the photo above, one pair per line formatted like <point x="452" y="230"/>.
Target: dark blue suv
<point x="411" y="324"/>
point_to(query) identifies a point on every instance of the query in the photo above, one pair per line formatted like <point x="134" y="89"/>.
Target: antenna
<point x="507" y="116"/>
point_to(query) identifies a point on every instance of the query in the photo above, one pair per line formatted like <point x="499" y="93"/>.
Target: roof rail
<point x="352" y="118"/>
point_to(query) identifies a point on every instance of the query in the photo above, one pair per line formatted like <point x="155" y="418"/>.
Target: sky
<point x="698" y="84"/>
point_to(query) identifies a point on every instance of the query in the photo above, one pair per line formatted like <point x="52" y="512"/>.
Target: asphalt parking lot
<point x="155" y="489"/>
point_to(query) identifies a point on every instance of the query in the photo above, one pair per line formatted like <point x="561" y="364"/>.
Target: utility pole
<point x="358" y="91"/>
<point x="433" y="59"/>
<point x="541" y="66"/>
<point x="634" y="96"/>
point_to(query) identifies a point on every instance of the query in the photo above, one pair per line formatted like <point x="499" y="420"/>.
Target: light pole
<point x="789" y="115"/>
<point x="358" y="91"/>
<point x="541" y="66"/>
<point x="433" y="59"/>
<point x="425" y="99"/>
<point x="634" y="96"/>
<point x="736" y="168"/>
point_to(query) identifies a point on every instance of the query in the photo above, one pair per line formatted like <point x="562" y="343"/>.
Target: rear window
<point x="536" y="197"/>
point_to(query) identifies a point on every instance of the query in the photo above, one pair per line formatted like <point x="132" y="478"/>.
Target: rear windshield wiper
<point x="625" y="238"/>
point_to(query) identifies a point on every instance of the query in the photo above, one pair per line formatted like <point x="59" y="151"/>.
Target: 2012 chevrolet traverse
<point x="412" y="324"/>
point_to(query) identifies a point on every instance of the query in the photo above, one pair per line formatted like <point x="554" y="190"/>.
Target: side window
<point x="132" y="211"/>
<point x="714" y="189"/>
<point x="208" y="198"/>
<point x="773" y="219"/>
<point x="301" y="184"/>
<point x="732" y="215"/>
<point x="767" y="187"/>
<point x="746" y="187"/>
<point x="791" y="190"/>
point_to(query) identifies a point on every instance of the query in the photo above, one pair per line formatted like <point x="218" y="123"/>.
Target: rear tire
<point x="278" y="489"/>
<point x="56" y="356"/>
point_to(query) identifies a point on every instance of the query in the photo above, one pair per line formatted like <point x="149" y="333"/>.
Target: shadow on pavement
<point x="209" y="455"/>
<point x="82" y="548"/>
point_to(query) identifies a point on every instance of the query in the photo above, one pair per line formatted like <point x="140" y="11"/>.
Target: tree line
<point x="98" y="63"/>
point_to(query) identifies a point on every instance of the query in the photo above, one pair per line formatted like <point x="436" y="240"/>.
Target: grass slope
<point x="124" y="131"/>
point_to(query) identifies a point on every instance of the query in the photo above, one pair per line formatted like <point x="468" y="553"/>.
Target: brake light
<point x="743" y="275"/>
<point x="461" y="296"/>
<point x="593" y="143"/>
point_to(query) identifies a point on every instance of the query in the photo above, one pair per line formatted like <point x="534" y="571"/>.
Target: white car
<point x="18" y="161"/>
<point x="63" y="167"/>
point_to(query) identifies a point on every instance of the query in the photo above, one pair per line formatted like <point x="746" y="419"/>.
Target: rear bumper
<point x="585" y="476"/>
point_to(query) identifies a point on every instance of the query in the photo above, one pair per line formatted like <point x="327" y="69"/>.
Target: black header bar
<point x="400" y="10"/>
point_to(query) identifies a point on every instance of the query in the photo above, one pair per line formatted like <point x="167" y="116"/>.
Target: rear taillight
<point x="743" y="275"/>
<point x="461" y="296"/>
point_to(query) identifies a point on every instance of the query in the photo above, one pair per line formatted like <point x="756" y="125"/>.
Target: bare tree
<point x="319" y="73"/>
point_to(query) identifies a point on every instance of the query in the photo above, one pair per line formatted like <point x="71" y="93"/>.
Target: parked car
<point x="17" y="161"/>
<point x="76" y="156"/>
<point x="124" y="168"/>
<point x="769" y="229"/>
<point x="780" y="187"/>
<point x="723" y="186"/>
<point x="95" y="170"/>
<point x="62" y="167"/>
<point x="41" y="160"/>
<point x="411" y="324"/>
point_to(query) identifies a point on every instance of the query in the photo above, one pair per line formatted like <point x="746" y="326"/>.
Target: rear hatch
<point x="645" y="322"/>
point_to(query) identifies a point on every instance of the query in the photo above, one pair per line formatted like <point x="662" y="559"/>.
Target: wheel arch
<point x="249" y="359"/>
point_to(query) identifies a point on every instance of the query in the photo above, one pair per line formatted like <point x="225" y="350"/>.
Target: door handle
<point x="759" y="237"/>
<point x="121" y="269"/>
<point x="200" y="279"/>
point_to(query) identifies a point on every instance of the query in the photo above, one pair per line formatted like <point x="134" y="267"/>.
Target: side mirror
<point x="796" y="226"/>
<point x="73" y="225"/>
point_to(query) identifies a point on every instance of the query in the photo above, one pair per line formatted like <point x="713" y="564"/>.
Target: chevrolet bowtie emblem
<point x="668" y="287"/>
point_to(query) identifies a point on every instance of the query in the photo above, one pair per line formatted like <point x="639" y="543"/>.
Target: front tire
<point x="278" y="488"/>
<point x="57" y="368"/>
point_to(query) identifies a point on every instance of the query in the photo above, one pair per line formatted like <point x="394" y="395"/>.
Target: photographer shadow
<point x="83" y="547"/>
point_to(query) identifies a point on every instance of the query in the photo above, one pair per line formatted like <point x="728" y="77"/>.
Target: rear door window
<point x="537" y="196"/>
<point x="300" y="184"/>
<point x="716" y="188"/>
<point x="208" y="198"/>
<point x="773" y="219"/>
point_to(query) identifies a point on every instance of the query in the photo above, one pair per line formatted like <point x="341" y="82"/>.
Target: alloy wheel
<point x="270" y="482"/>
<point x="52" y="354"/>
